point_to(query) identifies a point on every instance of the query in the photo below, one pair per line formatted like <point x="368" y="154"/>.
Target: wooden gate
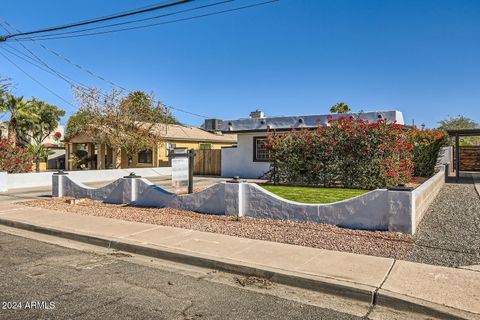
<point x="208" y="162"/>
<point x="470" y="158"/>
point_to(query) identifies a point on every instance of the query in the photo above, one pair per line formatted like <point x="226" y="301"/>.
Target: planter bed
<point x="324" y="236"/>
<point x="313" y="194"/>
<point x="324" y="195"/>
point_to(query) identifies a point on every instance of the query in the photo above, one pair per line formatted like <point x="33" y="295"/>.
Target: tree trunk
<point x="37" y="166"/>
<point x="12" y="131"/>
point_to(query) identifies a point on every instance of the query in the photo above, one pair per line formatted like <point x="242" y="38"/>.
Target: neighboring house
<point x="249" y="159"/>
<point x="57" y="159"/>
<point x="49" y="142"/>
<point x="100" y="156"/>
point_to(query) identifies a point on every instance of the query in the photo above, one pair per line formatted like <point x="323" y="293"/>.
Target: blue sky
<point x="291" y="57"/>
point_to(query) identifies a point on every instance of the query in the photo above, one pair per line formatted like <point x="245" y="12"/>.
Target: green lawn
<point x="314" y="195"/>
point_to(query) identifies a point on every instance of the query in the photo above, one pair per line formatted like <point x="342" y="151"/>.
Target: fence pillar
<point x="132" y="193"/>
<point x="58" y="184"/>
<point x="232" y="199"/>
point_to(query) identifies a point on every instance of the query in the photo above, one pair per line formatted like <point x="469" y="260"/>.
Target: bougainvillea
<point x="349" y="152"/>
<point x="14" y="159"/>
<point x="427" y="145"/>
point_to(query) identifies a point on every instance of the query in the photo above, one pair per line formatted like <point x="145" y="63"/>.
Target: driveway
<point x="449" y="233"/>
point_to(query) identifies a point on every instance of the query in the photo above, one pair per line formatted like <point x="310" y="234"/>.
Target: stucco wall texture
<point x="380" y="209"/>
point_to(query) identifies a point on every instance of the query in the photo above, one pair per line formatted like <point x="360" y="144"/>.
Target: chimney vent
<point x="257" y="114"/>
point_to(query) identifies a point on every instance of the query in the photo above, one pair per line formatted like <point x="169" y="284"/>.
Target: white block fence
<point x="380" y="209"/>
<point x="9" y="181"/>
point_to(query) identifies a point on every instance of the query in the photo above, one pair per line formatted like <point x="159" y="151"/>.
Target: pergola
<point x="457" y="134"/>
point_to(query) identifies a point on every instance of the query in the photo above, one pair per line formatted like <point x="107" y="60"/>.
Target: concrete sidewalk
<point x="437" y="291"/>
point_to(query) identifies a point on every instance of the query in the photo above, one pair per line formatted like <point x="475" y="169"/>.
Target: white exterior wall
<point x="43" y="179"/>
<point x="239" y="161"/>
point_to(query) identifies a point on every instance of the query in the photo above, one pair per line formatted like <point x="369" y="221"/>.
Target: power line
<point x="62" y="76"/>
<point x="79" y="83"/>
<point x="37" y="58"/>
<point x="38" y="82"/>
<point x="137" y="20"/>
<point x="81" y="23"/>
<point x="154" y="24"/>
<point x="33" y="62"/>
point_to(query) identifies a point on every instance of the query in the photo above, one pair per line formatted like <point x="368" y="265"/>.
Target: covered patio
<point x="98" y="156"/>
<point x="457" y="134"/>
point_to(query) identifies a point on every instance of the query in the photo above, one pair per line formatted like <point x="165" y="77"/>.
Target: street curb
<point x="332" y="286"/>
<point x="351" y="290"/>
<point x="388" y="299"/>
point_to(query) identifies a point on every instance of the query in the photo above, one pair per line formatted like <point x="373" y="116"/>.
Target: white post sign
<point x="180" y="174"/>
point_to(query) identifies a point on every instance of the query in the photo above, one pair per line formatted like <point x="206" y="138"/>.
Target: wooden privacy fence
<point x="469" y="158"/>
<point x="208" y="162"/>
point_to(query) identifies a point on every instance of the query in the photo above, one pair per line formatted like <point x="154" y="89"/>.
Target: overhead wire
<point x="153" y="24"/>
<point x="35" y="80"/>
<point x="137" y="20"/>
<point x="97" y="20"/>
<point x="70" y="80"/>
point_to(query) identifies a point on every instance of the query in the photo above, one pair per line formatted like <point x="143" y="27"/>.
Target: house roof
<point x="173" y="132"/>
<point x="299" y="121"/>
<point x="181" y="132"/>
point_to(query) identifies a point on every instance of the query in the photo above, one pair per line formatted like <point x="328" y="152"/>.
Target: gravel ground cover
<point x="449" y="233"/>
<point x="378" y="243"/>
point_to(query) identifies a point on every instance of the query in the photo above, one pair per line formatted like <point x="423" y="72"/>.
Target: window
<point x="145" y="156"/>
<point x="205" y="146"/>
<point x="260" y="152"/>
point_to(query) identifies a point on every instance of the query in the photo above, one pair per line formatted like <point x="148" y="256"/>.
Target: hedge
<point x="348" y="152"/>
<point x="427" y="145"/>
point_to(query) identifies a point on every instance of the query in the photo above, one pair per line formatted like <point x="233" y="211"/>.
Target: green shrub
<point x="427" y="145"/>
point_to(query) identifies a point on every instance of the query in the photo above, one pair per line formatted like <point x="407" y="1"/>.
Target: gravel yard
<point x="448" y="235"/>
<point x="380" y="243"/>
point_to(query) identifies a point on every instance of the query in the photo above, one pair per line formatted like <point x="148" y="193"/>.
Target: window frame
<point x="151" y="156"/>
<point x="255" y="159"/>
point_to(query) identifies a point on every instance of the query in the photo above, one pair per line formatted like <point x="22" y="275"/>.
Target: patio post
<point x="101" y="156"/>
<point x="457" y="156"/>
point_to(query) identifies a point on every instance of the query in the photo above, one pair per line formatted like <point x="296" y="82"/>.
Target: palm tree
<point x="15" y="106"/>
<point x="340" y="108"/>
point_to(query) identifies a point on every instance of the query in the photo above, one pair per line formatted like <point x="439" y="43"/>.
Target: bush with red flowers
<point x="14" y="159"/>
<point x="348" y="152"/>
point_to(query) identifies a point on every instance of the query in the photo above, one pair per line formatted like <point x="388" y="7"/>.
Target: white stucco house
<point x="249" y="159"/>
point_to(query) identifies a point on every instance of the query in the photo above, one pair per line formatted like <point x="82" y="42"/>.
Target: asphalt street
<point x="46" y="281"/>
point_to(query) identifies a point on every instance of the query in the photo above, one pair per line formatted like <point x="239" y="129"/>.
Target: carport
<point x="457" y="134"/>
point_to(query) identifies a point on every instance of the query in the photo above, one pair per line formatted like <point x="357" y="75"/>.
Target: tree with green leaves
<point x="40" y="153"/>
<point x="460" y="122"/>
<point x="340" y="107"/>
<point x="76" y="123"/>
<point x="40" y="121"/>
<point x="16" y="107"/>
<point x="5" y="85"/>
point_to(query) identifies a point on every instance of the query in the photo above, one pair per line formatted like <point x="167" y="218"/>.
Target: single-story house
<point x="100" y="156"/>
<point x="249" y="159"/>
